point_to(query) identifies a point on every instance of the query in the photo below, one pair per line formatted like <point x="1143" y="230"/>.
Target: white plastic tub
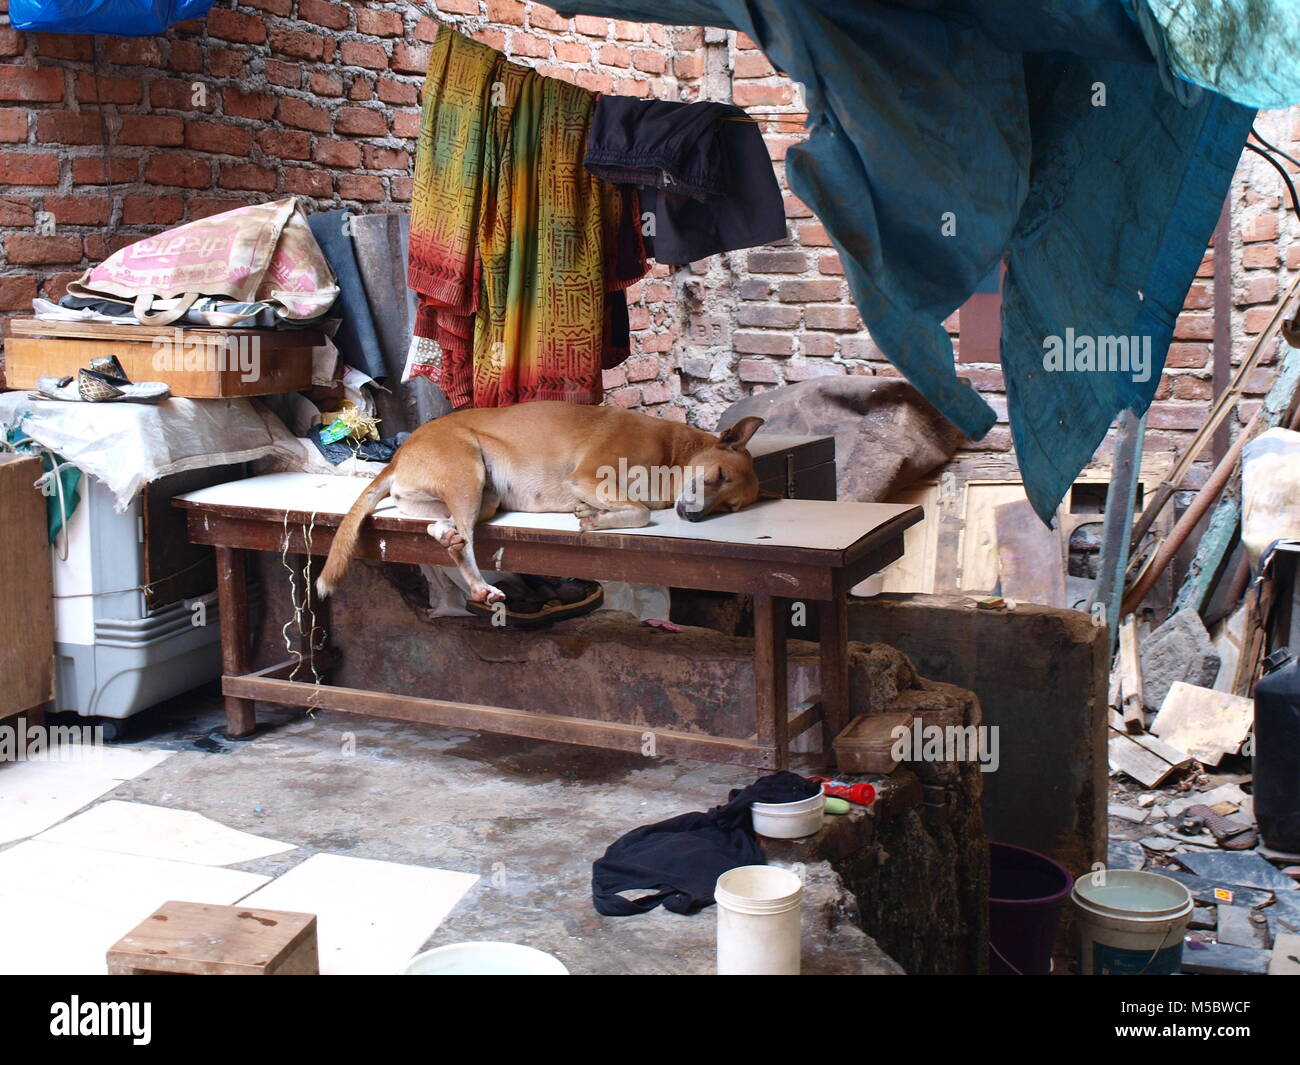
<point x="789" y="820"/>
<point x="758" y="921"/>
<point x="485" y="959"/>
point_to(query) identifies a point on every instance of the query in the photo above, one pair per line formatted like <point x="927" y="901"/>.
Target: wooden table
<point x="777" y="550"/>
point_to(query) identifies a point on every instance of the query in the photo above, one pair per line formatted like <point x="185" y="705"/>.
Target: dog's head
<point x="721" y="478"/>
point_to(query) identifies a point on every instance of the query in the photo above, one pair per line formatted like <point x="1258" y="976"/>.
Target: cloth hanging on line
<point x="514" y="246"/>
<point x="702" y="172"/>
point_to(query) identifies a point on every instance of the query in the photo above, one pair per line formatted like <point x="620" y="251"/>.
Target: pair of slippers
<point x="103" y="381"/>
<point x="533" y="601"/>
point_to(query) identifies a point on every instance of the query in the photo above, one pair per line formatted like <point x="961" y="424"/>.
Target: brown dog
<point x="609" y="466"/>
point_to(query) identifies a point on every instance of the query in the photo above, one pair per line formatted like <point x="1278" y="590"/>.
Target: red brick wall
<point x="321" y="99"/>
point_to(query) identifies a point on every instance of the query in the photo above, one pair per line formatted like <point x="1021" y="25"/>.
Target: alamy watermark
<point x="213" y="353"/>
<point x="920" y="742"/>
<point x="49" y="743"/>
<point x="1085" y="353"/>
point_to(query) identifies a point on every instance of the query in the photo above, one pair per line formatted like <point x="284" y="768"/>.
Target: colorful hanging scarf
<point x="509" y="234"/>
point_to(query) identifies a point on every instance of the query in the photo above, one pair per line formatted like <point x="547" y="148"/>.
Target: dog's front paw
<point x="486" y="593"/>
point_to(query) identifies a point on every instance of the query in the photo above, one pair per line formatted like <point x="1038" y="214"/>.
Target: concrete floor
<point x="529" y="817"/>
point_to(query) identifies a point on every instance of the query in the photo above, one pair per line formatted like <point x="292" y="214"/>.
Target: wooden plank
<point x="1144" y="766"/>
<point x="232" y="608"/>
<point x="771" y="693"/>
<point x="147" y="334"/>
<point x="1031" y="561"/>
<point x="833" y="638"/>
<point x="1131" y="702"/>
<point x="533" y="725"/>
<point x="26" y="609"/>
<point x="1169" y="753"/>
<point x="1207" y="724"/>
<point x="1121" y="500"/>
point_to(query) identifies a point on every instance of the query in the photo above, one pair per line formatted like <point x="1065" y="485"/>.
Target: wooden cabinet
<point x="26" y="609"/>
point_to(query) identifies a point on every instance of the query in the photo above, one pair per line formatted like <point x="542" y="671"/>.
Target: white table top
<point x="810" y="523"/>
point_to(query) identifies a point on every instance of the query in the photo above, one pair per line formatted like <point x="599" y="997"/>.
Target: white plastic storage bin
<point x="113" y="655"/>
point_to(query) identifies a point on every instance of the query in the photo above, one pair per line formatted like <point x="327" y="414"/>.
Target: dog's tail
<point x="345" y="540"/>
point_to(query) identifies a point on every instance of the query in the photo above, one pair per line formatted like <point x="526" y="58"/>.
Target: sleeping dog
<point x="609" y="466"/>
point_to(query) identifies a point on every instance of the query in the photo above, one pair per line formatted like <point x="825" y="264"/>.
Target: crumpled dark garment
<point x="368" y="450"/>
<point x="680" y="859"/>
<point x="702" y="170"/>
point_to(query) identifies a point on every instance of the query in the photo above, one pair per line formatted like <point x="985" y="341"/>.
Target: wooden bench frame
<point x="771" y="574"/>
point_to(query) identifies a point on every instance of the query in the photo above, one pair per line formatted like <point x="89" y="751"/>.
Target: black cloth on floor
<point x="681" y="859"/>
<point x="702" y="169"/>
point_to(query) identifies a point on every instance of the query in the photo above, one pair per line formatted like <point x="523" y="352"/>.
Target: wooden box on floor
<point x="193" y="363"/>
<point x="26" y="609"/>
<point x="198" y="939"/>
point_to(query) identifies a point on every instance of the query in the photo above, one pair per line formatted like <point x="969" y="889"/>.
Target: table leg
<point x="834" y="667"/>
<point x="232" y="606"/>
<point x="771" y="695"/>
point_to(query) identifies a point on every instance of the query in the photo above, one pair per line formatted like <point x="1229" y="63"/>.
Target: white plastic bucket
<point x="758" y="921"/>
<point x="485" y="959"/>
<point x="1130" y="922"/>
<point x="788" y="820"/>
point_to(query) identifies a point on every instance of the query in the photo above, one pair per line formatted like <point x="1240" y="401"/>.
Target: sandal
<point x="532" y="602"/>
<point x="1229" y="836"/>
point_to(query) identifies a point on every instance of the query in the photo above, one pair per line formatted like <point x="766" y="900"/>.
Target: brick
<point x="392" y="91"/>
<point x="752" y="65"/>
<point x="657" y="392"/>
<point x="17" y="292"/>
<point x="289" y="76"/>
<point x="1194" y="327"/>
<point x="590" y="26"/>
<point x="777" y="262"/>
<point x="625" y="397"/>
<point x="595" y="82"/>
<point x="331" y="16"/>
<point x="92" y="171"/>
<point x="151" y="209"/>
<point x="235" y="103"/>
<point x="17" y="212"/>
<point x="80" y="49"/>
<point x="247" y="176"/>
<point x="805" y="370"/>
<point x="616" y="377"/>
<point x="361" y="121"/>
<point x="1262" y="227"/>
<point x="155" y="130"/>
<point x="818" y="344"/>
<point x="360" y="90"/>
<point x="177" y="94"/>
<point x="1255" y="290"/>
<point x="29" y="168"/>
<point x="763" y="343"/>
<point x="69" y="127"/>
<point x="185" y="56"/>
<point x="757" y="371"/>
<point x="365" y="54"/>
<point x="768" y="316"/>
<point x="808" y="291"/>
<point x="839" y="318"/>
<point x="1175" y="415"/>
<point x="541" y="17"/>
<point x="236" y="26"/>
<point x="308" y="181"/>
<point x="377" y="158"/>
<point x="505" y="12"/>
<point x="641" y="369"/>
<point x="344" y="154"/>
<point x="367" y="187"/>
<point x="302" y="115"/>
<point x="77" y="210"/>
<point x="1260" y="257"/>
<point x="401" y="189"/>
<point x="530" y="46"/>
<point x="272" y="7"/>
<point x="42" y="85"/>
<point x="284" y="144"/>
<point x="378" y="23"/>
<point x="27" y="249"/>
<point x="410" y="58"/>
<point x="747" y="94"/>
<point x="296" y="43"/>
<point x="649" y="62"/>
<point x="219" y="137"/>
<point x="226" y="63"/>
<point x="1187" y="356"/>
<point x="572" y="52"/>
<point x="13" y="124"/>
<point x="813" y="235"/>
<point x="134" y="52"/>
<point x="688" y="66"/>
<point x="322" y="84"/>
<point x="181" y="170"/>
<point x="830" y="264"/>
<point x="612" y="55"/>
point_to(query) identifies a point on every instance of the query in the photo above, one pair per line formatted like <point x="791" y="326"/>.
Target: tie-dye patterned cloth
<point x="509" y="233"/>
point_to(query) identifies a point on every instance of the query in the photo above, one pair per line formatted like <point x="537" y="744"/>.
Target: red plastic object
<point x="861" y="793"/>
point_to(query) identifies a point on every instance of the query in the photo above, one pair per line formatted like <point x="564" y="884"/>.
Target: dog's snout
<point x="685" y="512"/>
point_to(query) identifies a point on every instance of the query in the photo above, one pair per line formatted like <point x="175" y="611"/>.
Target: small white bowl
<point x="485" y="959"/>
<point x="789" y="820"/>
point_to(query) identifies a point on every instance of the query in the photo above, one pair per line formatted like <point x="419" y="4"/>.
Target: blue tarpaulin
<point x="118" y="18"/>
<point x="1056" y="136"/>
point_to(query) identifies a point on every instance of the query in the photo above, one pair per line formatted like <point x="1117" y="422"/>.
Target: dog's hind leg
<point x="461" y="485"/>
<point x="597" y="507"/>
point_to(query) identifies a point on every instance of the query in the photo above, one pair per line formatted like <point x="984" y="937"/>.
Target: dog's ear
<point x="738" y="435"/>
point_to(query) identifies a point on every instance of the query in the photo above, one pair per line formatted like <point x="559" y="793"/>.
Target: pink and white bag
<point x="263" y="255"/>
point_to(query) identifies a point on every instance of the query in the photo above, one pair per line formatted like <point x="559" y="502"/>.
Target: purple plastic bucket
<point x="1026" y="890"/>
